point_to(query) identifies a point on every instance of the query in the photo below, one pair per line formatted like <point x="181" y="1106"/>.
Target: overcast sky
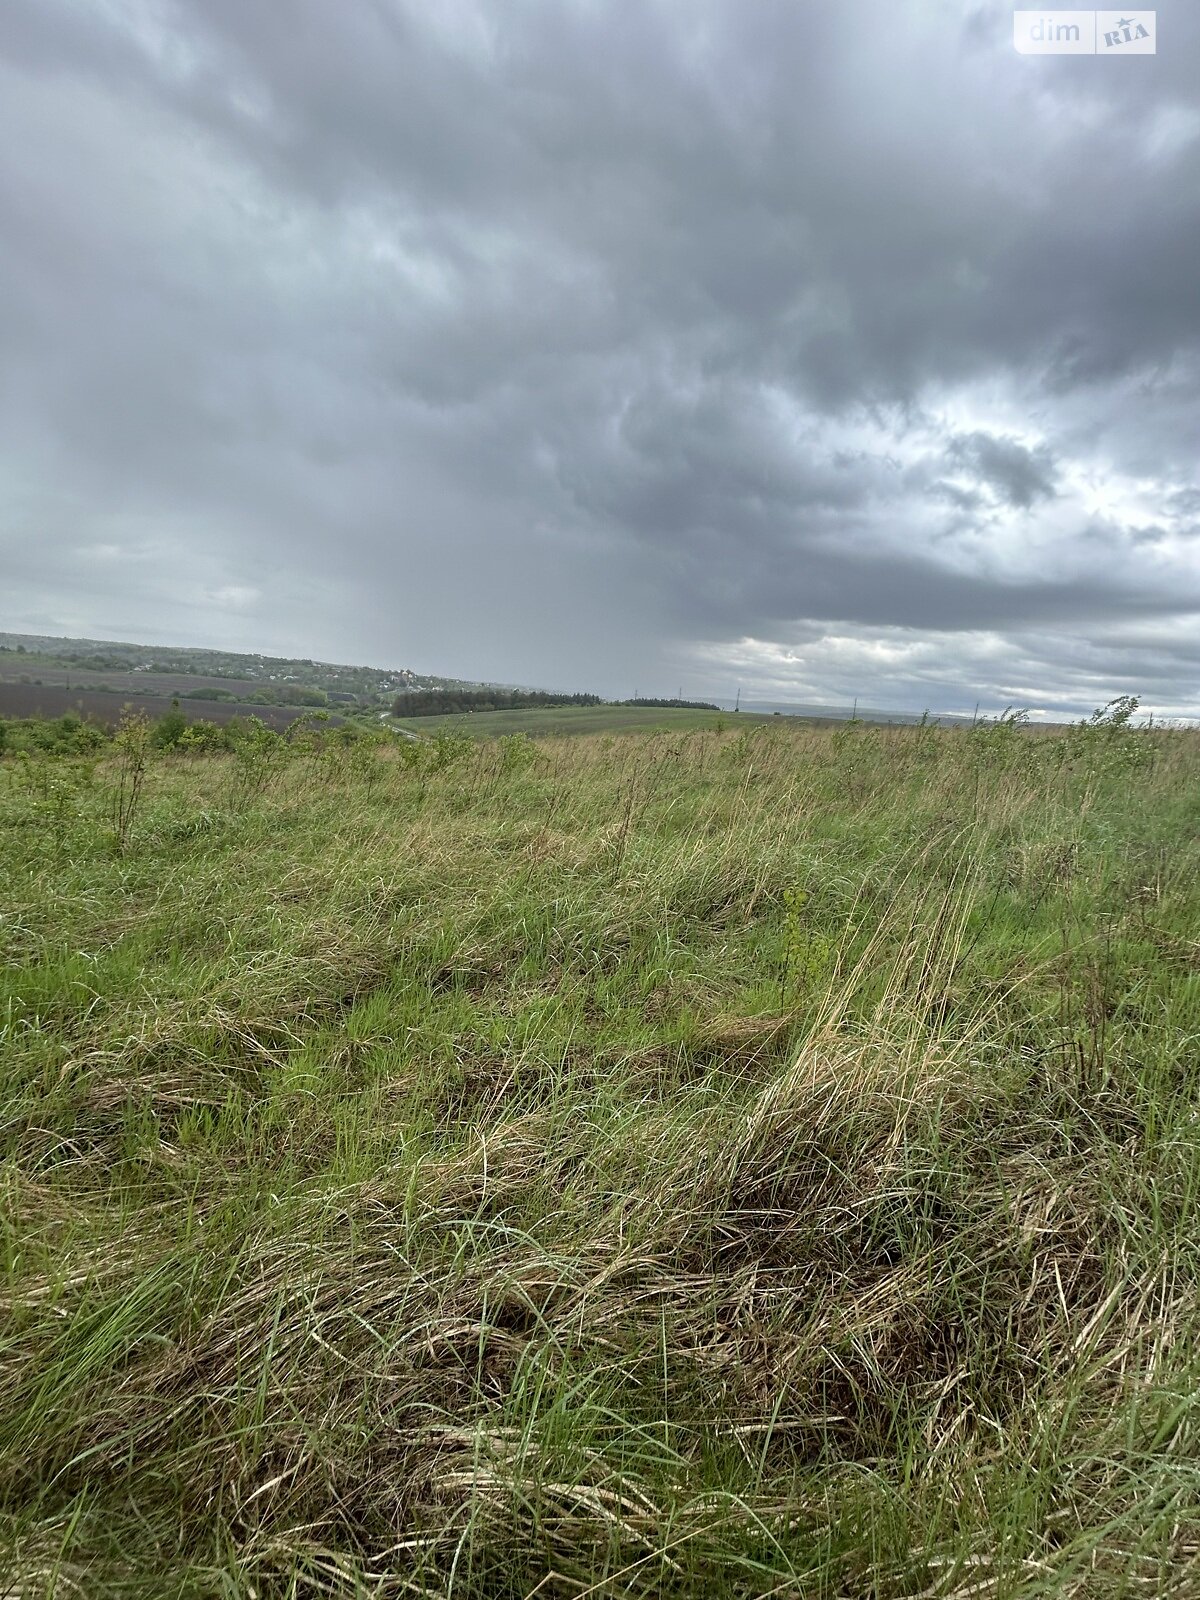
<point x="828" y="350"/>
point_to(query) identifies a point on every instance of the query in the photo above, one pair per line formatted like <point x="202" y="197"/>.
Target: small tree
<point x="1108" y="742"/>
<point x="132" y="744"/>
<point x="258" y="753"/>
<point x="169" y="729"/>
<point x="1117" y="713"/>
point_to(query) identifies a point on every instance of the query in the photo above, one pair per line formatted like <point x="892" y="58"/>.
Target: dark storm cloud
<point x="567" y="342"/>
<point x="1017" y="474"/>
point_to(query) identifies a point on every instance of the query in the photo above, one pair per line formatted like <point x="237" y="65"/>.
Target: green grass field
<point x="759" y="1163"/>
<point x="537" y="721"/>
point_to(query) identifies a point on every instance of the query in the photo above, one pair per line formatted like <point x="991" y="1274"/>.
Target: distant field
<point x="139" y="683"/>
<point x="47" y="700"/>
<point x="544" y="720"/>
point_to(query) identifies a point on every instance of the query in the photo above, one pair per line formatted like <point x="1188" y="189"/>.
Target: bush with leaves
<point x="411" y="753"/>
<point x="517" y="752"/>
<point x="68" y="735"/>
<point x="1107" y="741"/>
<point x="258" y="754"/>
<point x="169" y="729"/>
<point x="1000" y="741"/>
<point x="448" y="749"/>
<point x="306" y="733"/>
<point x="203" y="738"/>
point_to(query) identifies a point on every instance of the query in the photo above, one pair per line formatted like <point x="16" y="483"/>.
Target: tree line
<point x="677" y="705"/>
<point x="437" y="702"/>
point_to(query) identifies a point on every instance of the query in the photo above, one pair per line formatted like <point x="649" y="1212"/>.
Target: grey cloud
<point x="1017" y="474"/>
<point x="553" y="340"/>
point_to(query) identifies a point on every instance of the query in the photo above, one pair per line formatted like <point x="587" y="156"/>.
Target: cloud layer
<point x="829" y="351"/>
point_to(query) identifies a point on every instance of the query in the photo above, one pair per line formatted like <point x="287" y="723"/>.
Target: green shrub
<point x="448" y="750"/>
<point x="517" y="752"/>
<point x="169" y="729"/>
<point x="203" y="738"/>
<point x="258" y="754"/>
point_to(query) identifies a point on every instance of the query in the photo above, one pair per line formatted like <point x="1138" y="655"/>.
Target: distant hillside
<point x="210" y="678"/>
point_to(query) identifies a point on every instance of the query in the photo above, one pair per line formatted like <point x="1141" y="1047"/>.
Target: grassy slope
<point x="744" y="1164"/>
<point x="540" y="720"/>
